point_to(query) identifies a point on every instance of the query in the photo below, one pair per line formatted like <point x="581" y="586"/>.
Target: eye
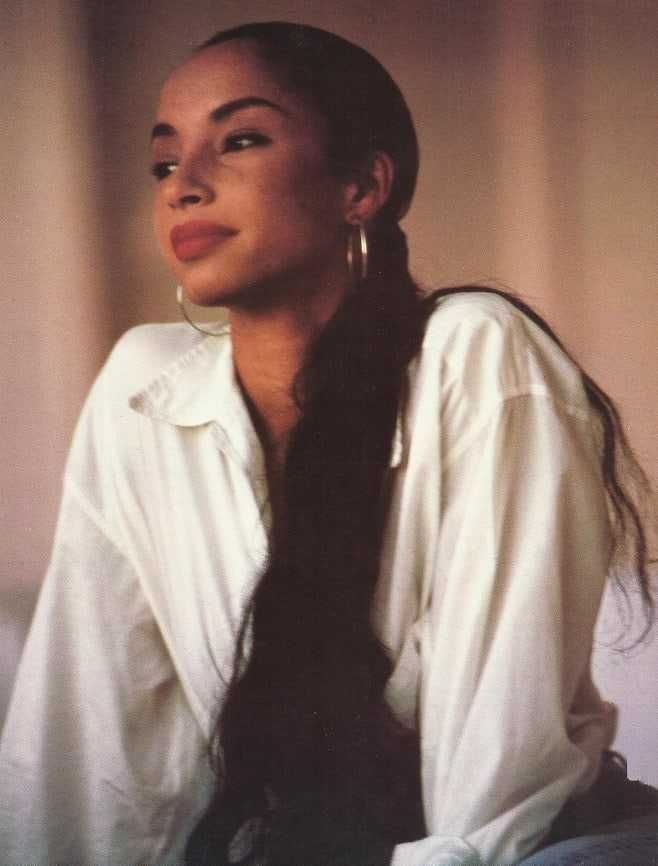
<point x="244" y="140"/>
<point x="162" y="169"/>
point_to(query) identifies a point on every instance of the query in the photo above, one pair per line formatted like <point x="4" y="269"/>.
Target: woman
<point x="356" y="542"/>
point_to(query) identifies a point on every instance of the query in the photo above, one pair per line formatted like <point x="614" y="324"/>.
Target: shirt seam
<point x="496" y="408"/>
<point x="97" y="519"/>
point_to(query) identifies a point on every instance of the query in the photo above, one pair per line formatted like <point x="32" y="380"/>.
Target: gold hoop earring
<point x="357" y="241"/>
<point x="180" y="300"/>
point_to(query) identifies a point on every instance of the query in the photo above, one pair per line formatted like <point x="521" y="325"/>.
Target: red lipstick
<point x="194" y="239"/>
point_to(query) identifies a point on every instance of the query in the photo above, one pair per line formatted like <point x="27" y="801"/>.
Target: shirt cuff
<point x="435" y="851"/>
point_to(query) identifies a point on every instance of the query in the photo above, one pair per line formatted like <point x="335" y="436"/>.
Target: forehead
<point x="220" y="73"/>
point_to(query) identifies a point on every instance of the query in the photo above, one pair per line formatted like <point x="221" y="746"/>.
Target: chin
<point x="206" y="289"/>
<point x="204" y="297"/>
<point x="233" y="291"/>
<point x="225" y="295"/>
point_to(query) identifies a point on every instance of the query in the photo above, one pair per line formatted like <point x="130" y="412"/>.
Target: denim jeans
<point x="633" y="842"/>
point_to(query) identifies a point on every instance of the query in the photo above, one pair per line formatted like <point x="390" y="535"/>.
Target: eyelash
<point x="161" y="170"/>
<point x="255" y="139"/>
<point x="232" y="144"/>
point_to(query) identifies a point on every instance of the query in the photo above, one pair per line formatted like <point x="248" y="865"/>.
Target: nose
<point x="190" y="184"/>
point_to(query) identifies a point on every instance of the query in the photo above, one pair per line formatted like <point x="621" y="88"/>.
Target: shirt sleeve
<point x="505" y="639"/>
<point x="102" y="761"/>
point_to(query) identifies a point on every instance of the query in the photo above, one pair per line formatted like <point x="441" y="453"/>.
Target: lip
<point x="194" y="239"/>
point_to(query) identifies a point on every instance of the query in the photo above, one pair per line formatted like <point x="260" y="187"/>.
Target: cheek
<point x="161" y="221"/>
<point x="306" y="194"/>
<point x="158" y="221"/>
<point x="161" y="227"/>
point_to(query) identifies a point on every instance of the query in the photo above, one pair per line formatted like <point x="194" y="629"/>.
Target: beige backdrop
<point x="538" y="133"/>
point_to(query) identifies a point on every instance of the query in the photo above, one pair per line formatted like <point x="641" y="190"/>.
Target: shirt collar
<point x="200" y="387"/>
<point x="192" y="389"/>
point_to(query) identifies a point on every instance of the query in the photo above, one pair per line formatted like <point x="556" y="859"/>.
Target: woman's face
<point x="246" y="208"/>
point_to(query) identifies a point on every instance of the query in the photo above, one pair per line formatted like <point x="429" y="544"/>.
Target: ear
<point x="369" y="190"/>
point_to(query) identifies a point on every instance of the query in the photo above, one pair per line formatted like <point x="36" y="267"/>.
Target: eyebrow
<point x="221" y="113"/>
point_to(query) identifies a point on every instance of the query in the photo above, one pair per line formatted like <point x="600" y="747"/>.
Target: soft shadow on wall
<point x="55" y="317"/>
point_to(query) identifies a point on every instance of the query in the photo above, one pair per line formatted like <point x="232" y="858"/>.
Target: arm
<point x="102" y="760"/>
<point x="504" y="641"/>
<point x="101" y="757"/>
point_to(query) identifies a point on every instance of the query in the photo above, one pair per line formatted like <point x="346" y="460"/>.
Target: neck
<point x="269" y="350"/>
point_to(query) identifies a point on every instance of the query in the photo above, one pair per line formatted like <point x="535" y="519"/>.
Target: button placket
<point x="252" y="465"/>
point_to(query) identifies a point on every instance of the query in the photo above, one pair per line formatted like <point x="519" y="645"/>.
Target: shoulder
<point x="144" y="352"/>
<point x="107" y="435"/>
<point x="488" y="350"/>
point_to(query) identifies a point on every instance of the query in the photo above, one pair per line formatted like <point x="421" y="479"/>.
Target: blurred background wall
<point x="537" y="124"/>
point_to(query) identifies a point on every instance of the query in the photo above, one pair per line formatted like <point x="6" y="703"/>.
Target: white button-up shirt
<point x="492" y="569"/>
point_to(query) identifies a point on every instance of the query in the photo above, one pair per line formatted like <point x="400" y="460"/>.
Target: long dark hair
<point x="305" y="744"/>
